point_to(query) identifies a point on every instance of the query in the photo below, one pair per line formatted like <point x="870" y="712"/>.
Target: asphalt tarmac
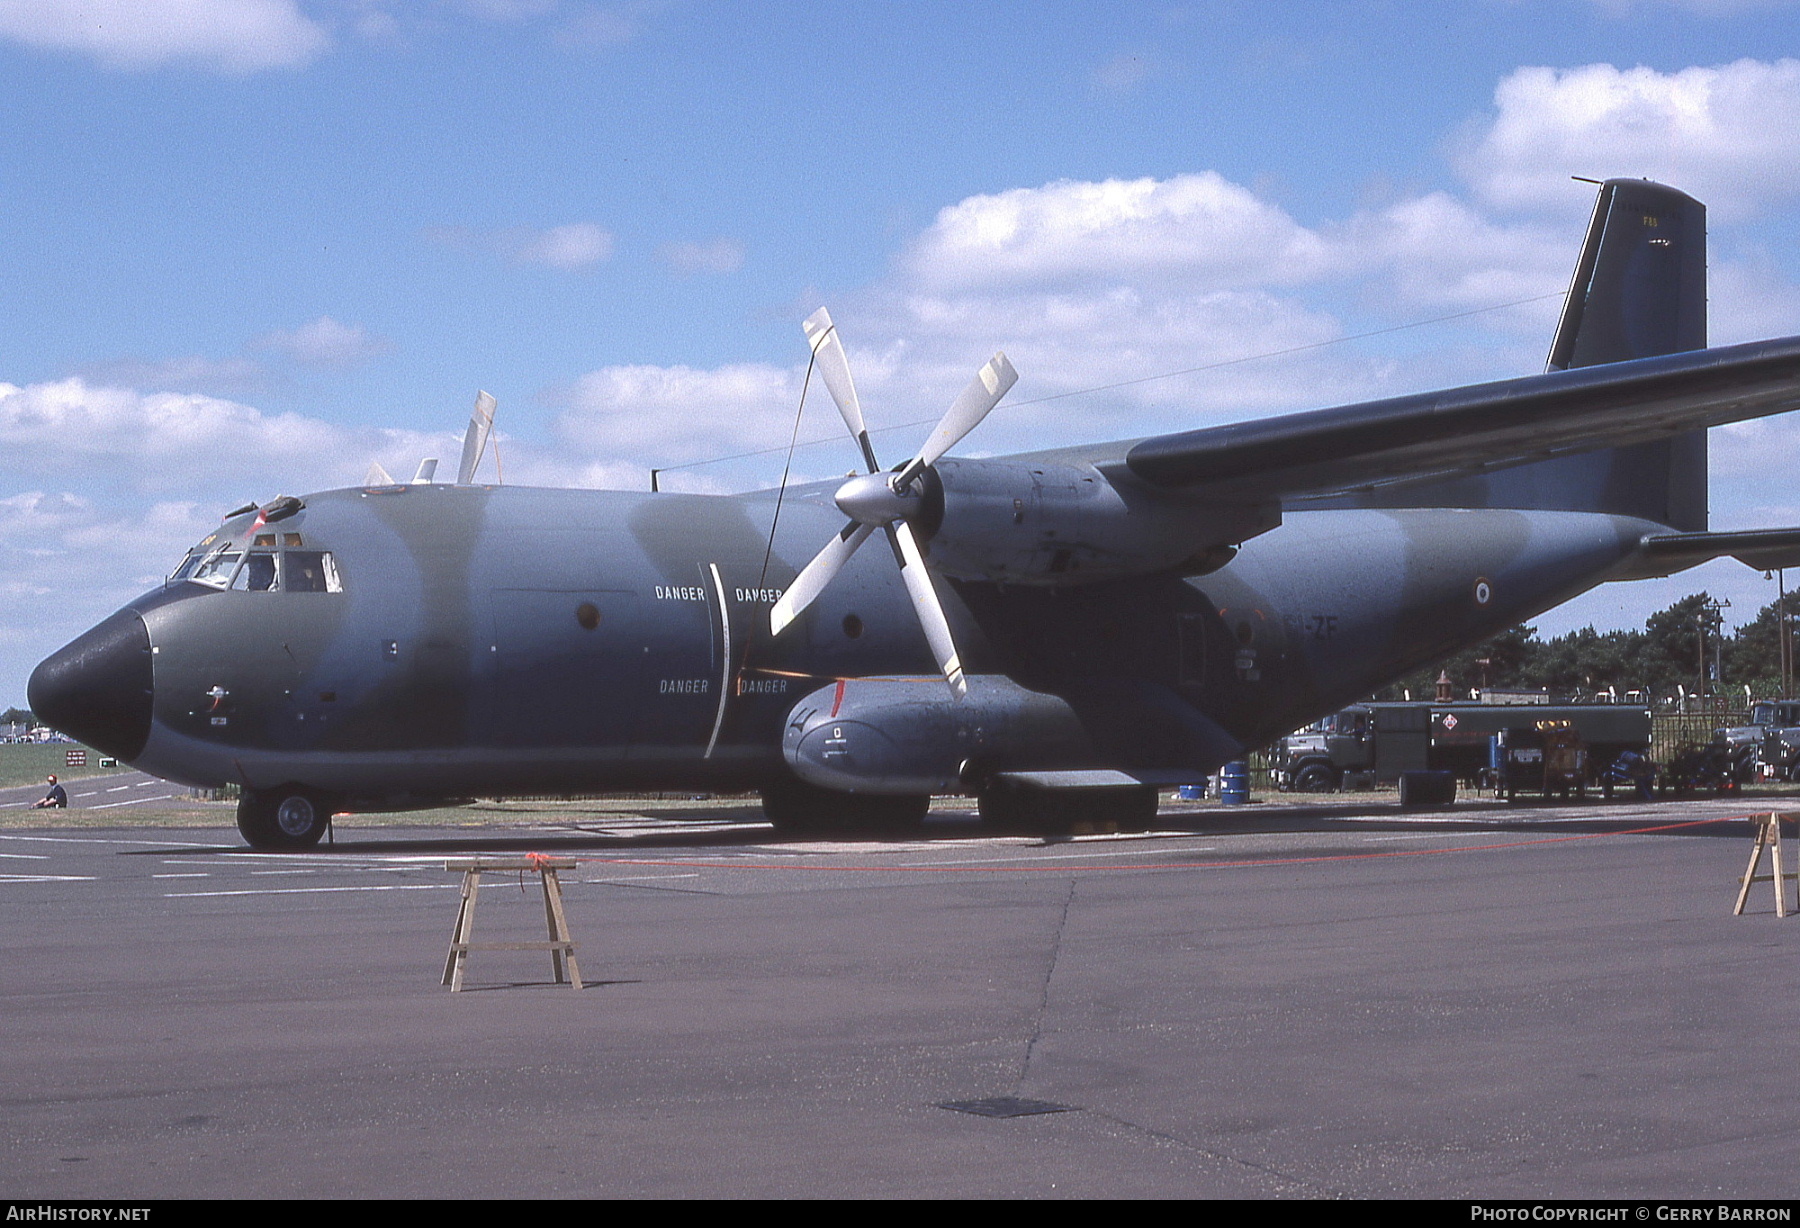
<point x="1275" y="1000"/>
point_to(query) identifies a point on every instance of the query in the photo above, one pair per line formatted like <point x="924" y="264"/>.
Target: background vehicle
<point x="1768" y="746"/>
<point x="1375" y="743"/>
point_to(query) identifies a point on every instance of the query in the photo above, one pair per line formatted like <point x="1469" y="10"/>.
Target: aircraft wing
<point x="1469" y="429"/>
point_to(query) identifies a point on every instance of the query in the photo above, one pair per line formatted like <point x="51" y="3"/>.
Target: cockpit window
<point x="216" y="568"/>
<point x="262" y="570"/>
<point x="309" y="571"/>
<point x="257" y="574"/>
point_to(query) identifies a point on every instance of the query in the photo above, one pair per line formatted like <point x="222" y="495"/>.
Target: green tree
<point x="1753" y="655"/>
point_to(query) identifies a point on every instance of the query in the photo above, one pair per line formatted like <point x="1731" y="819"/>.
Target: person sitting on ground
<point x="56" y="799"/>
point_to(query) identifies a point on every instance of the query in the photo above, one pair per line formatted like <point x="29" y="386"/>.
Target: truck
<point x="1377" y="743"/>
<point x="1769" y="745"/>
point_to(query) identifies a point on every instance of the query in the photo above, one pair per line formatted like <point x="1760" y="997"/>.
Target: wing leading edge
<point x="1476" y="428"/>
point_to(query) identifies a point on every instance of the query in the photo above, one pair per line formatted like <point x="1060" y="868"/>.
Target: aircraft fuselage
<point x="509" y="641"/>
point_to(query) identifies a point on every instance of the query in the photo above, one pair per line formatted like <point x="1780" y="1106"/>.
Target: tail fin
<point x="1639" y="290"/>
<point x="1640" y="286"/>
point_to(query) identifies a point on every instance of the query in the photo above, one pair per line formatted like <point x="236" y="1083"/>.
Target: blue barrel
<point x="1234" y="783"/>
<point x="1192" y="793"/>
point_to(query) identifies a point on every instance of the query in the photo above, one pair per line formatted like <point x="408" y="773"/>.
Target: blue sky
<point x="250" y="245"/>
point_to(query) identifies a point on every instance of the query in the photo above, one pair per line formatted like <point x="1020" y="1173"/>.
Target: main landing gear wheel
<point x="800" y="808"/>
<point x="286" y="818"/>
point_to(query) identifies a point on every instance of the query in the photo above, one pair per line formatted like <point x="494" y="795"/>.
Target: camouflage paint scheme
<point x="1239" y="582"/>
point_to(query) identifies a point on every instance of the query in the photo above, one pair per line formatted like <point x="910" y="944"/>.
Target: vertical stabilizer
<point x="1640" y="286"/>
<point x="1639" y="290"/>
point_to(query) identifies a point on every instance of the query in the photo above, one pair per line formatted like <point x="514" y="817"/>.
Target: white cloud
<point x="326" y="343"/>
<point x="1122" y="73"/>
<point x="66" y="561"/>
<point x="1748" y="299"/>
<point x="506" y="10"/>
<point x="598" y="28"/>
<point x="1728" y="135"/>
<point x="575" y="245"/>
<point x="1440" y="254"/>
<point x="122" y="444"/>
<point x="718" y="256"/>
<point x="1706" y="8"/>
<point x="233" y="36"/>
<point x="649" y="413"/>
<point x="1198" y="228"/>
<point x="235" y="376"/>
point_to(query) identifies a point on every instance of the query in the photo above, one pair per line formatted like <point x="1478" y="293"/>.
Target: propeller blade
<point x="991" y="383"/>
<point x="928" y="608"/>
<point x="377" y="476"/>
<point x="816" y="575"/>
<point x="427" y="470"/>
<point x="475" y="439"/>
<point x="834" y="367"/>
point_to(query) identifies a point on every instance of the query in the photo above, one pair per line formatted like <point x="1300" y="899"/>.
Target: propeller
<point x="475" y="438"/>
<point x="878" y="500"/>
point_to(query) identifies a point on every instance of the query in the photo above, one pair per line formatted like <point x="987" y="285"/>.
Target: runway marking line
<point x="173" y="844"/>
<point x="133" y="801"/>
<point x="1165" y="865"/>
<point x="189" y="895"/>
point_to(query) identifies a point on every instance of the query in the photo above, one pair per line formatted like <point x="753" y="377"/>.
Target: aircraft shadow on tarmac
<point x="731" y="828"/>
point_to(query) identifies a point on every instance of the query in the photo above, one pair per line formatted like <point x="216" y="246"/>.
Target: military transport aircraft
<point x="1057" y="633"/>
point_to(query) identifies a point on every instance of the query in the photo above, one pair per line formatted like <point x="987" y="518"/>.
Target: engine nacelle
<point x="908" y="735"/>
<point x="1050" y="524"/>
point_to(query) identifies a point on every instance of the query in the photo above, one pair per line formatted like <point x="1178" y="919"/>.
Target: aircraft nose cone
<point x="97" y="688"/>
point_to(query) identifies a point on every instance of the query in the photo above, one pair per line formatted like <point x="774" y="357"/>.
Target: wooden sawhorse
<point x="560" y="945"/>
<point x="1768" y="837"/>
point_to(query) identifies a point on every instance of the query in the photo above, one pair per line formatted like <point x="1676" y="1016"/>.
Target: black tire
<point x="803" y="809"/>
<point x="1138" y="808"/>
<point x="285" y="818"/>
<point x="1316" y="778"/>
<point x="1002" y="807"/>
<point x="1427" y="789"/>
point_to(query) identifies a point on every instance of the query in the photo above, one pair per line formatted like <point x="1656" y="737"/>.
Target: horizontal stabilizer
<point x="1763" y="549"/>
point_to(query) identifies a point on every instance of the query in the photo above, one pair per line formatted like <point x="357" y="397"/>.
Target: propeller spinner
<point x="885" y="501"/>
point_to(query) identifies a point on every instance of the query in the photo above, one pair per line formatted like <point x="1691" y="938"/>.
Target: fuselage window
<point x="310" y="571"/>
